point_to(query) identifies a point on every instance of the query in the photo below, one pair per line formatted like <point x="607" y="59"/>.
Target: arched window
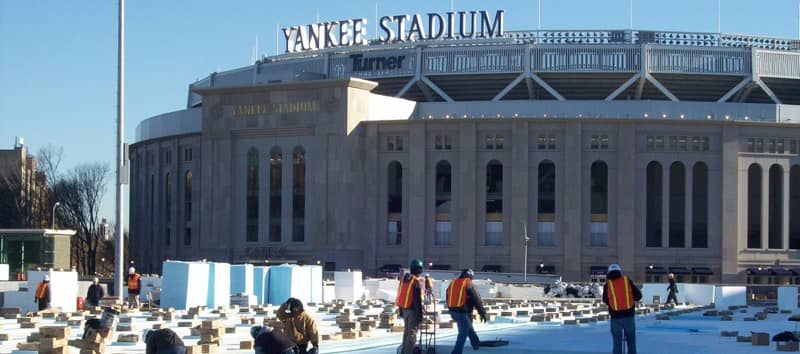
<point x="395" y="204"/>
<point x="677" y="205"/>
<point x="655" y="191"/>
<point x="187" y="207"/>
<point x="754" y="206"/>
<point x="546" y="205"/>
<point x="598" y="227"/>
<point x="775" y="207"/>
<point x="299" y="195"/>
<point x="494" y="203"/>
<point x="252" y="196"/>
<point x="700" y="205"/>
<point x="443" y="227"/>
<point x="168" y="208"/>
<point x="794" y="207"/>
<point x="275" y="195"/>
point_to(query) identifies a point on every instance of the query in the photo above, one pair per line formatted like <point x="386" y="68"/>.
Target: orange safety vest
<point x="405" y="292"/>
<point x="41" y="290"/>
<point x="133" y="282"/>
<point x="457" y="292"/>
<point x="620" y="294"/>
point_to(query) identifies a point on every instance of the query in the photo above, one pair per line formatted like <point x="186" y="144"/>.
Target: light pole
<point x="525" y="254"/>
<point x="53" y="223"/>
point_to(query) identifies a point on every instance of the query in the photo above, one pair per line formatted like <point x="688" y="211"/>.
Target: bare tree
<point x="81" y="193"/>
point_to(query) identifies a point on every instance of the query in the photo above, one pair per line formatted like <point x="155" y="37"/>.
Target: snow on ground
<point x="687" y="333"/>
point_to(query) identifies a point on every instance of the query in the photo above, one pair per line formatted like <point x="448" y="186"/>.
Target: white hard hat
<point x="131" y="270"/>
<point x="46" y="278"/>
<point x="614" y="267"/>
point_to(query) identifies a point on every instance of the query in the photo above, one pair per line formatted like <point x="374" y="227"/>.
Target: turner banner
<point x="398" y="28"/>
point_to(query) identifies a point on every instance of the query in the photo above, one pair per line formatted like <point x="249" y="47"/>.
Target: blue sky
<point x="58" y="58"/>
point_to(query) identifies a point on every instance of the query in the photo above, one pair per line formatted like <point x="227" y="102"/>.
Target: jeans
<point x="671" y="297"/>
<point x="464" y="322"/>
<point x="628" y="326"/>
<point x="173" y="350"/>
<point x="412" y="320"/>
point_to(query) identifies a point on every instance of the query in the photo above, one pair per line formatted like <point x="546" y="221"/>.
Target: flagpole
<point x="120" y="236"/>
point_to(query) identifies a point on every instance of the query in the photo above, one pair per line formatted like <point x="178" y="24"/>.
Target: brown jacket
<point x="299" y="326"/>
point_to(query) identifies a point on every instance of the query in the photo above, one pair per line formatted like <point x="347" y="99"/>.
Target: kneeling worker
<point x="462" y="298"/>
<point x="163" y="341"/>
<point x="298" y="325"/>
<point x="269" y="341"/>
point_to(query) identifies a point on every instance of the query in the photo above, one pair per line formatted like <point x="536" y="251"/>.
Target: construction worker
<point x="95" y="293"/>
<point x="269" y="341"/>
<point x="163" y="341"/>
<point x="672" y="290"/>
<point x="42" y="295"/>
<point x="621" y="295"/>
<point x="462" y="299"/>
<point x="134" y="286"/>
<point x="298" y="325"/>
<point x="409" y="301"/>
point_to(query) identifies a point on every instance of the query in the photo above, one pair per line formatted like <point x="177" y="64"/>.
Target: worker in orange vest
<point x="462" y="299"/>
<point x="621" y="295"/>
<point x="42" y="296"/>
<point x="409" y="301"/>
<point x="134" y="287"/>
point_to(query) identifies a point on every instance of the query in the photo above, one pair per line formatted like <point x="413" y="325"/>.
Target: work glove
<point x="314" y="350"/>
<point x="483" y="317"/>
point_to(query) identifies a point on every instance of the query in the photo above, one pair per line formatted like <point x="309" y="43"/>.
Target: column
<point x="287" y="172"/>
<point x="765" y="207"/>
<point x="687" y="219"/>
<point x="733" y="204"/>
<point x="576" y="191"/>
<point x="518" y="194"/>
<point x="785" y="202"/>
<point x="415" y="180"/>
<point x="665" y="204"/>
<point x="465" y="215"/>
<point x="628" y="243"/>
<point x="372" y="217"/>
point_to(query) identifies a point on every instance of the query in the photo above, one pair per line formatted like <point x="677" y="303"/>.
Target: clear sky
<point x="58" y="58"/>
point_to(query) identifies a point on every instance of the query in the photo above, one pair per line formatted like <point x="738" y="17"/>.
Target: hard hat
<point x="467" y="273"/>
<point x="416" y="266"/>
<point x="96" y="279"/>
<point x="46" y="278"/>
<point x="131" y="270"/>
<point x="614" y="267"/>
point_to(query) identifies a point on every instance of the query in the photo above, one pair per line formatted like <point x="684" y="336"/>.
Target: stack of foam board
<point x="387" y="289"/>
<point x="287" y="281"/>
<point x="219" y="283"/>
<point x="3" y="272"/>
<point x="185" y="284"/>
<point x="726" y="296"/>
<point x="485" y="288"/>
<point x="348" y="286"/>
<point x="261" y="284"/>
<point x="317" y="292"/>
<point x="63" y="289"/>
<point x="698" y="294"/>
<point x="241" y="279"/>
<point x="787" y="298"/>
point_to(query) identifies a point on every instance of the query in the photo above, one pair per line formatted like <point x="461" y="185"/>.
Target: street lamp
<point x="53" y="224"/>
<point x="525" y="240"/>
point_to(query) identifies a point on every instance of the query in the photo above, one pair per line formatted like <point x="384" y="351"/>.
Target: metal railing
<point x="470" y="60"/>
<point x="778" y="64"/>
<point x="664" y="59"/>
<point x="556" y="58"/>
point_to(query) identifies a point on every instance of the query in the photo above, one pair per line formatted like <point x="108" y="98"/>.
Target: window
<point x="659" y="142"/>
<point x="599" y="142"/>
<point x="754" y="206"/>
<point x="598" y="227"/>
<point x="251" y="207"/>
<point x="696" y="146"/>
<point x="793" y="146"/>
<point x="494" y="203"/>
<point x="168" y="156"/>
<point x="275" y="193"/>
<point x="187" y="237"/>
<point x="771" y="145"/>
<point x="651" y="144"/>
<point x="780" y="146"/>
<point x="677" y="205"/>
<point x="700" y="205"/>
<point x="682" y="143"/>
<point x="187" y="154"/>
<point x="704" y="143"/>
<point x="759" y="145"/>
<point x="750" y="145"/>
<point x="394" y="143"/>
<point x="541" y="142"/>
<point x="775" y="207"/>
<point x="395" y="204"/>
<point x="794" y="207"/>
<point x="443" y="142"/>
<point x="653" y="227"/>
<point x="494" y="142"/>
<point x="299" y="195"/>
<point x="187" y="196"/>
<point x="547" y="192"/>
<point x="551" y="142"/>
<point x="545" y="234"/>
<point x="443" y="228"/>
<point x="673" y="142"/>
<point x="168" y="199"/>
<point x="546" y="141"/>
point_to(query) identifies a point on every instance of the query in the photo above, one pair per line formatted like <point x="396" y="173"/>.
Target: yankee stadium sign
<point x="398" y="28"/>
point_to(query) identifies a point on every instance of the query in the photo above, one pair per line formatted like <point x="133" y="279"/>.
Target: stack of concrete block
<point x="93" y="341"/>
<point x="126" y="324"/>
<point x="29" y="322"/>
<point x="211" y="332"/>
<point x="53" y="340"/>
<point x="10" y="313"/>
<point x="128" y="338"/>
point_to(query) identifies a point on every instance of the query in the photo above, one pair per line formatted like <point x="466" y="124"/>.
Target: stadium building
<point x="662" y="151"/>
